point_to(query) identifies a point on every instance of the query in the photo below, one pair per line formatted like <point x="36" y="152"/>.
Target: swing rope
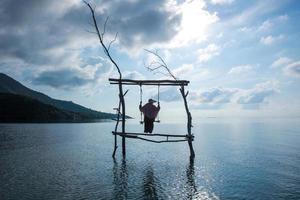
<point x="141" y="103"/>
<point x="157" y="118"/>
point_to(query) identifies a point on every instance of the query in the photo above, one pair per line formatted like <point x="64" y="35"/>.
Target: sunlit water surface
<point x="235" y="159"/>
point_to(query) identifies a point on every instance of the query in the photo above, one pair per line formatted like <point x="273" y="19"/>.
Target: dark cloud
<point x="64" y="78"/>
<point x="144" y="22"/>
<point x="33" y="30"/>
<point x="70" y="78"/>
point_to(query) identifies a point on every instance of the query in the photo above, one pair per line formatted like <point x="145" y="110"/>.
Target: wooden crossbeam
<point x="159" y="141"/>
<point x="148" y="134"/>
<point x="149" y="82"/>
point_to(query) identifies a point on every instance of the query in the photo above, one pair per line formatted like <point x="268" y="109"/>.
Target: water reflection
<point x="149" y="185"/>
<point x="120" y="180"/>
<point x="190" y="174"/>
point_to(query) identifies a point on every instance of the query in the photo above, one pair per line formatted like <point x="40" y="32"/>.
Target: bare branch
<point x="186" y="94"/>
<point x="159" y="63"/>
<point x="111" y="42"/>
<point x="125" y="93"/>
<point x="104" y="27"/>
<point x="100" y="36"/>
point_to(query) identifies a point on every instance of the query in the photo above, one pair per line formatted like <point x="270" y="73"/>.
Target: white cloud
<point x="209" y="52"/>
<point x="217" y="98"/>
<point x="245" y="29"/>
<point x="216" y="95"/>
<point x="280" y="62"/>
<point x="268" y="40"/>
<point x="184" y="69"/>
<point x="242" y="69"/>
<point x="266" y="25"/>
<point x="283" y="18"/>
<point x="258" y="94"/>
<point x="221" y="2"/>
<point x="293" y="69"/>
<point x="133" y="75"/>
<point x="251" y="13"/>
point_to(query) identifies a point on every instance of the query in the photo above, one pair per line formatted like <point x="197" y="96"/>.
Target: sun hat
<point x="151" y="101"/>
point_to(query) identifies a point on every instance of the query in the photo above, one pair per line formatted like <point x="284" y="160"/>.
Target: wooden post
<point x="116" y="128"/>
<point x="189" y="121"/>
<point x="121" y="96"/>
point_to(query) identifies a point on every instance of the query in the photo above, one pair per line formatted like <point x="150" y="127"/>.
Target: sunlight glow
<point x="195" y="23"/>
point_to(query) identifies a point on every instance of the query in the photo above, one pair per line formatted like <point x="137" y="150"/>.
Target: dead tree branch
<point x="158" y="64"/>
<point x="107" y="53"/>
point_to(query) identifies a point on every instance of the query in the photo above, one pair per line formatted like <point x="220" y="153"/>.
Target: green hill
<point x="16" y="108"/>
<point x="10" y="86"/>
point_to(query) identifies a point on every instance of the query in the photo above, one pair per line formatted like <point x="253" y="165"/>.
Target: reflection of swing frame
<point x="168" y="137"/>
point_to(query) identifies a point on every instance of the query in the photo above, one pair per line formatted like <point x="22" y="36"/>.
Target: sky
<point x="242" y="58"/>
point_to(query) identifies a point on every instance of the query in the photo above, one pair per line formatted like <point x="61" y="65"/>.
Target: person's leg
<point x="146" y="125"/>
<point x="151" y="125"/>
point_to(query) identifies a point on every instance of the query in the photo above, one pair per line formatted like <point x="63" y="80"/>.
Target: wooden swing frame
<point x="189" y="137"/>
<point x="121" y="115"/>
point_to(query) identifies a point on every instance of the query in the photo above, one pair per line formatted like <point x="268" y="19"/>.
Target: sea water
<point x="235" y="159"/>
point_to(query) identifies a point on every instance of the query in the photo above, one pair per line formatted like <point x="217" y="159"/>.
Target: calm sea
<point x="235" y="159"/>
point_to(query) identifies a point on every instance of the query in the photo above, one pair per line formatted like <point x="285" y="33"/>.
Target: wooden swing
<point x="144" y="136"/>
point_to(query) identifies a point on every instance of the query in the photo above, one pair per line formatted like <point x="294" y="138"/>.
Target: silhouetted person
<point x="150" y="112"/>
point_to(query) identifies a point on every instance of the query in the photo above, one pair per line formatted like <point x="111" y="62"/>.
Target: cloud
<point x="219" y="97"/>
<point x="266" y="25"/>
<point x="133" y="75"/>
<point x="283" y="18"/>
<point x="50" y="32"/>
<point x="242" y="69"/>
<point x="250" y="14"/>
<point x="221" y="2"/>
<point x="169" y="94"/>
<point x="63" y="78"/>
<point x="72" y="78"/>
<point x="269" y="40"/>
<point x="184" y="69"/>
<point x="289" y="67"/>
<point x="258" y="94"/>
<point x="280" y="62"/>
<point x="209" y="52"/>
<point x="293" y="69"/>
<point x="141" y="23"/>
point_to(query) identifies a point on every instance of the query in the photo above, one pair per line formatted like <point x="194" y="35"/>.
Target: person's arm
<point x="158" y="106"/>
<point x="140" y="106"/>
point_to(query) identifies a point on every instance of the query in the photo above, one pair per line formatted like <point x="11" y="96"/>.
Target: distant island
<point x="21" y="104"/>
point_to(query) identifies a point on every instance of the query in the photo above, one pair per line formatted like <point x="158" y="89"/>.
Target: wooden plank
<point x="153" y="84"/>
<point x="147" y="134"/>
<point x="148" y="82"/>
<point x="155" y="141"/>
